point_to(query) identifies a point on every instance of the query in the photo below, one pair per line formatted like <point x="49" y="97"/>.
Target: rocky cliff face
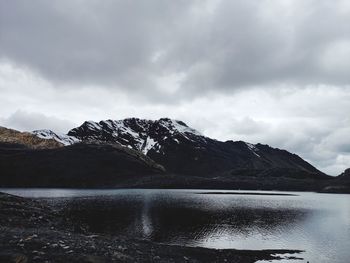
<point x="183" y="150"/>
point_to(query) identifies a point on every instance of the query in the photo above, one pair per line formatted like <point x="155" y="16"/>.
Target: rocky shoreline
<point x="32" y="231"/>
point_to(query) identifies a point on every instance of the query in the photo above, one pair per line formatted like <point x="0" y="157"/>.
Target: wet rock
<point x="13" y="258"/>
<point x="156" y="258"/>
<point x="92" y="259"/>
<point x="121" y="256"/>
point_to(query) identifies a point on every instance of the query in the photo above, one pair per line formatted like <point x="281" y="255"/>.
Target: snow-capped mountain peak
<point x="180" y="148"/>
<point x="139" y="134"/>
<point x="178" y="126"/>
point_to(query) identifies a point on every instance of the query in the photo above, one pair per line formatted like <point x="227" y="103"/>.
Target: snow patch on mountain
<point x="148" y="145"/>
<point x="252" y="148"/>
<point x="93" y="125"/>
<point x="62" y="138"/>
<point x="127" y="130"/>
<point x="178" y="126"/>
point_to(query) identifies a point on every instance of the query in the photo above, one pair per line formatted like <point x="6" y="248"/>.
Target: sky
<point x="270" y="71"/>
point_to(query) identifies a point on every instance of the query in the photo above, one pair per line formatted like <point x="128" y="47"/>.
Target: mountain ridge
<point x="164" y="153"/>
<point x="181" y="149"/>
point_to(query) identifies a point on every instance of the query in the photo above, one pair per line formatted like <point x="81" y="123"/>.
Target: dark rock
<point x="13" y="258"/>
<point x="91" y="259"/>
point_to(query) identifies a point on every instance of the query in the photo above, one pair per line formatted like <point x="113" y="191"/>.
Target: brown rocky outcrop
<point x="27" y="139"/>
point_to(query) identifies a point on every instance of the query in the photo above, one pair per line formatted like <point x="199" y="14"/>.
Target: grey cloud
<point x="227" y="46"/>
<point x="247" y="43"/>
<point x="108" y="43"/>
<point x="247" y="126"/>
<point x="28" y="121"/>
<point x="338" y="140"/>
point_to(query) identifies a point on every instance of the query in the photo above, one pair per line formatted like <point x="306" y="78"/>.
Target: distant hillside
<point x="339" y="184"/>
<point x="79" y="165"/>
<point x="9" y="136"/>
<point x="345" y="174"/>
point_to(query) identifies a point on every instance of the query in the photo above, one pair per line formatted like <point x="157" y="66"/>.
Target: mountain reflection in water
<point x="182" y="221"/>
<point x="319" y="224"/>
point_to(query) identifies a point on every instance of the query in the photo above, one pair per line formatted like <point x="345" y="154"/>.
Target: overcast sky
<point x="275" y="72"/>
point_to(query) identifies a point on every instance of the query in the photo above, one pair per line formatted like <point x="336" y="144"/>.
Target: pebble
<point x="31" y="237"/>
<point x="122" y="248"/>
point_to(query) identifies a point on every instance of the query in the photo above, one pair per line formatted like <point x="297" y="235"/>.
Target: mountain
<point x="345" y="175"/>
<point x="339" y="184"/>
<point x="78" y="165"/>
<point x="26" y="139"/>
<point x="50" y="135"/>
<point x="164" y="153"/>
<point x="183" y="150"/>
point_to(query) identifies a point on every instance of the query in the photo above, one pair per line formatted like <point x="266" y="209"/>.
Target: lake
<point x="317" y="223"/>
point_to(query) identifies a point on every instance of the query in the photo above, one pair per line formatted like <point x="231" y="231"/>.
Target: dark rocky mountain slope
<point x="339" y="184"/>
<point x="132" y="153"/>
<point x="78" y="165"/>
<point x="345" y="175"/>
<point x="183" y="150"/>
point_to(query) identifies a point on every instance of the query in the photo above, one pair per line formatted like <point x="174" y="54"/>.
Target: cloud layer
<point x="262" y="71"/>
<point x="204" y="45"/>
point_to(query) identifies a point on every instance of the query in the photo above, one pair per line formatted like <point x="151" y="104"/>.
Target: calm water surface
<point x="319" y="224"/>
